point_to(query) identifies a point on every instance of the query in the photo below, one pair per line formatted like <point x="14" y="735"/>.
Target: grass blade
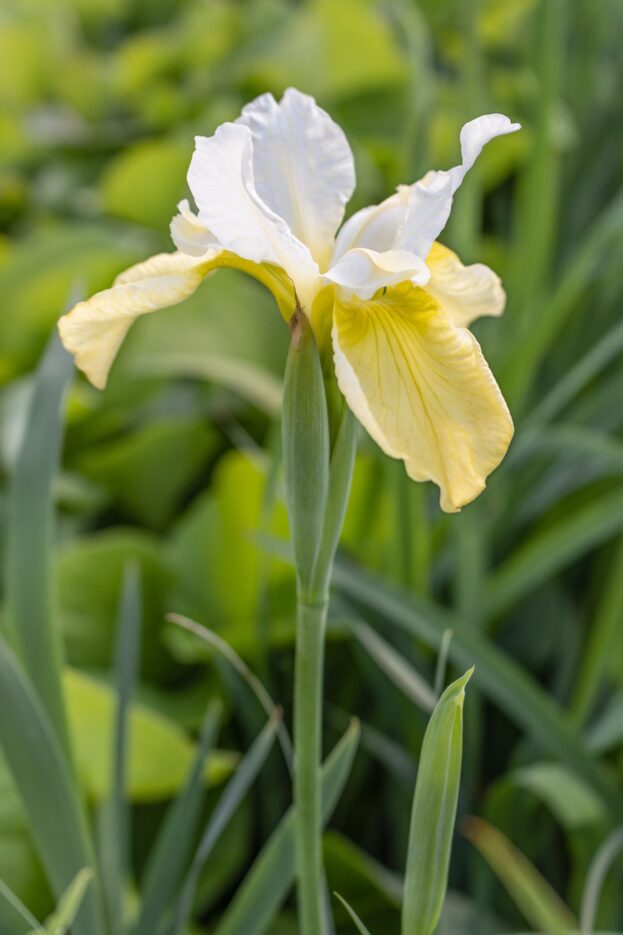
<point x="499" y="677"/>
<point x="229" y="801"/>
<point x="237" y="663"/>
<point x="69" y="905"/>
<point x="272" y="875"/>
<point x="115" y="837"/>
<point x="43" y="778"/>
<point x="434" y="813"/>
<point x="395" y="667"/>
<point x="349" y="909"/>
<point x="531" y="893"/>
<point x="15" y="918"/>
<point x="172" y="848"/>
<point x="602" y="861"/>
<point x="30" y="620"/>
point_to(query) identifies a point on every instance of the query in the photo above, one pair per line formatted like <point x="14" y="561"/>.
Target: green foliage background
<point x="175" y="466"/>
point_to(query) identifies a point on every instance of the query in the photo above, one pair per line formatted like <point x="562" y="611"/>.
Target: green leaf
<point x="115" y="828"/>
<point x="306" y="449"/>
<point x="149" y="471"/>
<point x="434" y="813"/>
<point x="46" y="786"/>
<point x="15" y="918"/>
<point x="600" y="865"/>
<point x="552" y="549"/>
<point x="534" y="897"/>
<point x="127" y="185"/>
<point x="396" y="667"/>
<point x="358" y="923"/>
<point x="69" y="905"/>
<point x="270" y="878"/>
<point x="30" y="616"/>
<point x="173" y="845"/>
<point x="569" y="798"/>
<point x="160" y="755"/>
<point x="499" y="677"/>
<point x="243" y="778"/>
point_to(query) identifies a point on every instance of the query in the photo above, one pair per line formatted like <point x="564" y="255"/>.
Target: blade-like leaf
<point x="349" y="909"/>
<point x="537" y="901"/>
<point x="15" y="918"/>
<point x="396" y="667"/>
<point x="238" y="663"/>
<point x="46" y="786"/>
<point x="30" y="619"/>
<point x="272" y="875"/>
<point x="499" y="677"/>
<point x="115" y="826"/>
<point x="229" y="801"/>
<point x="71" y="900"/>
<point x="599" y="868"/>
<point x="434" y="813"/>
<point x="172" y="848"/>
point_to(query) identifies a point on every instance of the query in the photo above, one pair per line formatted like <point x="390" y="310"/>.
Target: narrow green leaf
<point x="238" y="663"/>
<point x="69" y="905"/>
<point x="534" y="897"/>
<point x="172" y="848"/>
<point x="597" y="873"/>
<point x="434" y="813"/>
<point x="29" y="587"/>
<point x="15" y="918"/>
<point x="349" y="909"/>
<point x="499" y="677"/>
<point x="270" y="878"/>
<point x="47" y="789"/>
<point x="306" y="447"/>
<point x="548" y="551"/>
<point x="396" y="667"/>
<point x="237" y="788"/>
<point x="115" y="826"/>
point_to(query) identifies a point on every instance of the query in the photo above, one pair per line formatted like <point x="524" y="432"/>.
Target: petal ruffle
<point x="362" y="272"/>
<point x="94" y="330"/>
<point x="303" y="167"/>
<point x="221" y="178"/>
<point x="422" y="389"/>
<point x="430" y="199"/>
<point x="464" y="292"/>
<point x="413" y="217"/>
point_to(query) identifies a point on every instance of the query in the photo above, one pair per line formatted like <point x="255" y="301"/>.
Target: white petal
<point x="464" y="292"/>
<point x="375" y="227"/>
<point x="430" y="199"/>
<point x="303" y="167"/>
<point x="221" y="178"/>
<point x="188" y="233"/>
<point x="362" y="272"/>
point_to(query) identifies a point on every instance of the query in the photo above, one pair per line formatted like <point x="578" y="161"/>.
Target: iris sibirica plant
<point x="379" y="315"/>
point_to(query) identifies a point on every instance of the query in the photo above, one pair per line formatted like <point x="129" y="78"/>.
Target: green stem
<point x="311" y="621"/>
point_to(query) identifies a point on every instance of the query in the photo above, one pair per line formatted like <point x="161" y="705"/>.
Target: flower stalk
<point x="317" y="476"/>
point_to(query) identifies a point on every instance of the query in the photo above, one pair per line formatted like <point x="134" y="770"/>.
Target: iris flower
<point x="392" y="302"/>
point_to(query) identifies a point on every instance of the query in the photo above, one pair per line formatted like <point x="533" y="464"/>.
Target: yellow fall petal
<point x="464" y="292"/>
<point x="94" y="330"/>
<point x="422" y="389"/>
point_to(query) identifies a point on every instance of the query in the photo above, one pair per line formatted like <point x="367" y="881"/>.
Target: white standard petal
<point x="303" y="167"/>
<point x="221" y="178"/>
<point x="430" y="199"/>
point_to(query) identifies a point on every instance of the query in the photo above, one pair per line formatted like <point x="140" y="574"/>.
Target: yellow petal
<point x="93" y="331"/>
<point x="422" y="389"/>
<point x="464" y="292"/>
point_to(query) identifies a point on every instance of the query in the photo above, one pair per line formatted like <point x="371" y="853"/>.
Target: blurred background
<point x="175" y="466"/>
